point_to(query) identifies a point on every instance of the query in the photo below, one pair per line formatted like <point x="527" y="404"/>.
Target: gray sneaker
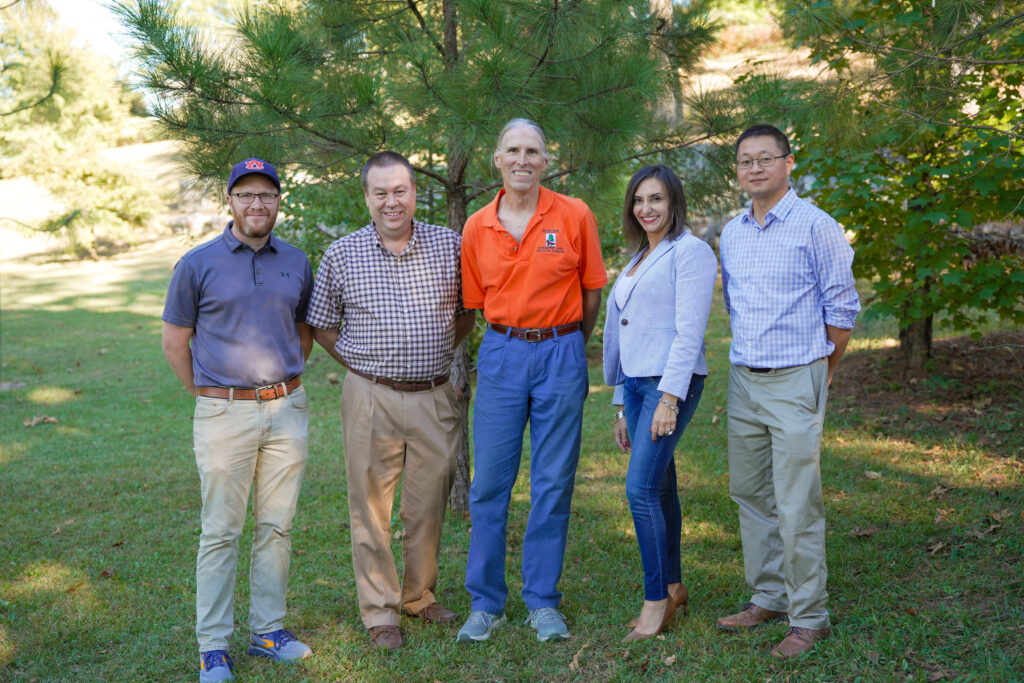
<point x="479" y="626"/>
<point x="549" y="624"/>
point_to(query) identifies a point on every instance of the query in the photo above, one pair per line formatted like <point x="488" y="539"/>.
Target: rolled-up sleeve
<point x="834" y="269"/>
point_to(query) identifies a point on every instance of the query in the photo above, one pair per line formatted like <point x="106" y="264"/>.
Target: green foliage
<point x="914" y="141"/>
<point x="105" y="205"/>
<point x="100" y="518"/>
<point x="318" y="86"/>
<point x="59" y="105"/>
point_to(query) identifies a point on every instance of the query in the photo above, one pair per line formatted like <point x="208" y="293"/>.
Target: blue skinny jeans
<point x="651" y="482"/>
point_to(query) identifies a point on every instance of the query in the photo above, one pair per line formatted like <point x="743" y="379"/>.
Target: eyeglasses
<point x="763" y="162"/>
<point x="264" y="197"/>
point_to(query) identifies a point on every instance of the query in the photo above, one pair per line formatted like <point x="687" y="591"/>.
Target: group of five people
<point x="392" y="301"/>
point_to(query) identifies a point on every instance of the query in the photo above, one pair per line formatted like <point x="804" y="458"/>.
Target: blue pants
<point x="546" y="384"/>
<point x="651" y="482"/>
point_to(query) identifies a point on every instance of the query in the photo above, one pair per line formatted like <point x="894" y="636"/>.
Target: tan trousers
<point x="243" y="445"/>
<point x="775" y="425"/>
<point x="385" y="432"/>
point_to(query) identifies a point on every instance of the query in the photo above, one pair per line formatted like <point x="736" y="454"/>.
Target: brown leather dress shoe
<point x="798" y="641"/>
<point x="752" y="616"/>
<point x="436" y="614"/>
<point x="386" y="637"/>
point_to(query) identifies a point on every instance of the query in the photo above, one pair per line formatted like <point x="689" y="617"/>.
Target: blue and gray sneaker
<point x="549" y="624"/>
<point x="280" y="645"/>
<point x="215" y="665"/>
<point x="479" y="626"/>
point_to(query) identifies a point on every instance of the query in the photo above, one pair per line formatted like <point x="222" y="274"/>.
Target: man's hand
<point x="840" y="338"/>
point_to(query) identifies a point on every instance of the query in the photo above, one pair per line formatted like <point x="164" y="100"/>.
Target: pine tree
<point x="318" y="86"/>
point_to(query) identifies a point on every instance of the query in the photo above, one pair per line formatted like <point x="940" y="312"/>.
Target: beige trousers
<point x="243" y="445"/>
<point x="386" y="432"/>
<point x="775" y="425"/>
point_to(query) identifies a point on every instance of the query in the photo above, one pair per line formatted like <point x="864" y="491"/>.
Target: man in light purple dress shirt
<point x="789" y="291"/>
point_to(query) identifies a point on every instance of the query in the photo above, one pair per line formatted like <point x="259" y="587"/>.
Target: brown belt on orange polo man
<point x="267" y="393"/>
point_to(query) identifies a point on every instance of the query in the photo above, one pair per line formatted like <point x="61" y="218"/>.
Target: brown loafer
<point x="752" y="616"/>
<point x="436" y="614"/>
<point x="798" y="641"/>
<point x="386" y="637"/>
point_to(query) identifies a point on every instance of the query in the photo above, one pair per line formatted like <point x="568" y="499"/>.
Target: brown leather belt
<point x="267" y="393"/>
<point x="536" y="335"/>
<point x="402" y="386"/>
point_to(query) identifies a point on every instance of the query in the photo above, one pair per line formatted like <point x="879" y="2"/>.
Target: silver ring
<point x="668" y="432"/>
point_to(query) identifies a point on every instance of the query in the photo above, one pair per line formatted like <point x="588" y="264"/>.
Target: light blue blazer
<point x="659" y="332"/>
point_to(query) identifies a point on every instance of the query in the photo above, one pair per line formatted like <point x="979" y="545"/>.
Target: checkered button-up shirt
<point x="396" y="313"/>
<point x="783" y="282"/>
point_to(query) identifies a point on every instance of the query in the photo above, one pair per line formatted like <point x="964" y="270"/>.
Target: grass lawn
<point x="99" y="506"/>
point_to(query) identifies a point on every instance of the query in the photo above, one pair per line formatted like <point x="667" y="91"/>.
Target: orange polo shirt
<point x="535" y="284"/>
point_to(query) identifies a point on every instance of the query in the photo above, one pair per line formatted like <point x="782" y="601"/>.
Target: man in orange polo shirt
<point x="531" y="259"/>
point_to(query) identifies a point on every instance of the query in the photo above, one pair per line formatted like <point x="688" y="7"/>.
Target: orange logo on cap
<point x="254" y="165"/>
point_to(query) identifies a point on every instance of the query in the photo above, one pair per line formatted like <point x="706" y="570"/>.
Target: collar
<point x="489" y="213"/>
<point x="234" y="244"/>
<point x="379" y="243"/>
<point x="779" y="212"/>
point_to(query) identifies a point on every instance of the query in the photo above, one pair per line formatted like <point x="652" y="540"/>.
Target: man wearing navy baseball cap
<point x="234" y="334"/>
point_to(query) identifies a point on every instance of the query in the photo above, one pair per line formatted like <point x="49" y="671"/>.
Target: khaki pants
<point x="385" y="432"/>
<point x="241" y="445"/>
<point x="775" y="425"/>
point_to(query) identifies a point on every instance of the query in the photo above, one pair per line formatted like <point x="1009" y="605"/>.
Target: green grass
<point x="100" y="519"/>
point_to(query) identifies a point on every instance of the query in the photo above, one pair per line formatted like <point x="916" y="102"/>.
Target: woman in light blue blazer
<point x="654" y="357"/>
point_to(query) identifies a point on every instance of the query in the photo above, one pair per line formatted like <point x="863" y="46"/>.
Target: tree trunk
<point x="458" y="500"/>
<point x="915" y="348"/>
<point x="458" y="159"/>
<point x="670" y="108"/>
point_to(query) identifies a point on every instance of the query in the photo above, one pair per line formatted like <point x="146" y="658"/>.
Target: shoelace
<point x="280" y="638"/>
<point x="215" y="658"/>
<point x="546" y="615"/>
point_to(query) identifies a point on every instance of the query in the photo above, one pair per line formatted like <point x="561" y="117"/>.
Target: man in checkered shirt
<point x="387" y="304"/>
<point x="790" y="294"/>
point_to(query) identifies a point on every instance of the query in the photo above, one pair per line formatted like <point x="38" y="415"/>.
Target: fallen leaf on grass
<point x="574" y="665"/>
<point x="911" y="611"/>
<point x="938" y="492"/>
<point x="669" y="661"/>
<point x="117" y="545"/>
<point x="863" y="533"/>
<point x="714" y="419"/>
<point x="870" y="474"/>
<point x="332" y="377"/>
<point x="941" y="514"/>
<point x="936" y="675"/>
<point x="39" y="419"/>
<point x="107" y="573"/>
<point x="935" y="547"/>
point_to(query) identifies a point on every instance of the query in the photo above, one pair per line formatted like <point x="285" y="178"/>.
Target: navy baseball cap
<point x="250" y="166"/>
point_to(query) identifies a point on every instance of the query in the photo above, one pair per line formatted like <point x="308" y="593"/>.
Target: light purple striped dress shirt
<point x="784" y="282"/>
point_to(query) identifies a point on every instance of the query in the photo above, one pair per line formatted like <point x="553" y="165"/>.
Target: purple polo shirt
<point x="243" y="305"/>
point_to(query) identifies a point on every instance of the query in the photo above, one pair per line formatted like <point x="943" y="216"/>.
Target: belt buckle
<point x="534" y="331"/>
<point x="273" y="388"/>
